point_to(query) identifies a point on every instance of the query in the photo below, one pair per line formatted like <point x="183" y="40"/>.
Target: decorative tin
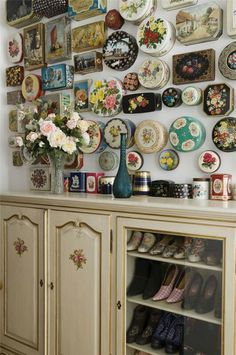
<point x="14" y="75"/>
<point x="16" y="158"/>
<point x="218" y="99"/>
<point x="92" y="182"/>
<point x="108" y="161"/>
<point x="15" y="141"/>
<point x="194" y="67"/>
<point x="209" y="161"/>
<point x="31" y="87"/>
<point x="171" y="97"/>
<point x="77" y="182"/>
<point x="58" y="76"/>
<point x="142" y="182"/>
<point x="134" y="160"/>
<point x="88" y="63"/>
<point x="191" y="96"/>
<point x="120" y="51"/>
<point x="20" y="13"/>
<point x="183" y="191"/>
<point x="201" y="189"/>
<point x="231" y="18"/>
<point x="131" y="82"/>
<point x="227" y="61"/>
<point x="113" y="129"/>
<point x="221" y="187"/>
<point x="95" y="138"/>
<point x="81" y="94"/>
<point x="224" y="133"/>
<point x="187" y="134"/>
<point x="141" y="103"/>
<point x="81" y="10"/>
<point x="176" y="4"/>
<point x="103" y="144"/>
<point x="114" y="20"/>
<point x="58" y="40"/>
<point x="201" y="23"/>
<point x="50" y="8"/>
<point x="155" y="36"/>
<point x="88" y="37"/>
<point x="15" y="97"/>
<point x="74" y="161"/>
<point x="27" y="156"/>
<point x="150" y="136"/>
<point x="15" y="48"/>
<point x="106" y="97"/>
<point x="40" y="179"/>
<point x="34" y="57"/>
<point x="13" y="120"/>
<point x="58" y="103"/>
<point x="161" y="188"/>
<point x="168" y="159"/>
<point x="106" y="184"/>
<point x="153" y="74"/>
<point x="136" y="10"/>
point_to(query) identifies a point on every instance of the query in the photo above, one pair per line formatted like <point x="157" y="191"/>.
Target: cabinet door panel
<point x="22" y="300"/>
<point x="79" y="271"/>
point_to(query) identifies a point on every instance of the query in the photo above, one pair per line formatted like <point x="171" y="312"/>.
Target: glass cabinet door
<point x="174" y="292"/>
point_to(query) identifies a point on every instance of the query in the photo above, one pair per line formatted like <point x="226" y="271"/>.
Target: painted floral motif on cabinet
<point x="78" y="258"/>
<point x="20" y="246"/>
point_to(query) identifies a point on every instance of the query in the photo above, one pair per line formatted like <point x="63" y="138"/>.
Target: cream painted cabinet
<point x="206" y="323"/>
<point x="22" y="281"/>
<point x="79" y="284"/>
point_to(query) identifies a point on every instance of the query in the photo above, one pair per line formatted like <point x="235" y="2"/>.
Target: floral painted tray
<point x="218" y="99"/>
<point x="224" y="133"/>
<point x="150" y="136"/>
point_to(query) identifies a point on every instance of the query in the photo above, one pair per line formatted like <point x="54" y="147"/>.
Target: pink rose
<point x="112" y="84"/>
<point x="47" y="127"/>
<point x="110" y="102"/>
<point x="32" y="136"/>
<point x="72" y="123"/>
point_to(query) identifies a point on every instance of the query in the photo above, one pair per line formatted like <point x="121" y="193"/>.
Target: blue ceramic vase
<point x="122" y="187"/>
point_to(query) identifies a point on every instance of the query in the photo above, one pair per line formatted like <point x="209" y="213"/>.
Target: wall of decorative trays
<point x="175" y="70"/>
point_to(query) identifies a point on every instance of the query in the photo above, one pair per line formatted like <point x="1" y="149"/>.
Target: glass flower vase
<point x="57" y="160"/>
<point x="122" y="187"/>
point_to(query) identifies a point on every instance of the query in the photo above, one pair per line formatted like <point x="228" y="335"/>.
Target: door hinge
<point x="111" y="241"/>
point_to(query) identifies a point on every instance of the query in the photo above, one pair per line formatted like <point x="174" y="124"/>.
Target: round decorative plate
<point x="95" y="138"/>
<point x="103" y="144"/>
<point x="120" y="51"/>
<point x="15" y="48"/>
<point x="153" y="73"/>
<point x="218" y="100"/>
<point x="168" y="159"/>
<point x="134" y="160"/>
<point x="171" y="97"/>
<point x="113" y="129"/>
<point x="227" y="61"/>
<point x="150" y="136"/>
<point x="106" y="97"/>
<point x="209" y="161"/>
<point x="155" y="36"/>
<point x="187" y="134"/>
<point x="135" y="10"/>
<point x="108" y="161"/>
<point x="191" y="96"/>
<point x="131" y="82"/>
<point x="31" y="87"/>
<point x="224" y="133"/>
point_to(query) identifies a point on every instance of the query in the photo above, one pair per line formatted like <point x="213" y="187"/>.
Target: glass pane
<point x="174" y="294"/>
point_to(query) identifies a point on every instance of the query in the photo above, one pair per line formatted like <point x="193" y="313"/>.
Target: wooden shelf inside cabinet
<point x="183" y="262"/>
<point x="147" y="349"/>
<point x="175" y="308"/>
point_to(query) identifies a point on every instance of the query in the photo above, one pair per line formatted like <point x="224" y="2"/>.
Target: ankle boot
<point x="148" y="331"/>
<point x="138" y="323"/>
<point x="140" y="278"/>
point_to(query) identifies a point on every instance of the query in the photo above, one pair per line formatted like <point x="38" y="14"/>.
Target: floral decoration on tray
<point x="152" y="33"/>
<point x="136" y="102"/>
<point x="132" y="8"/>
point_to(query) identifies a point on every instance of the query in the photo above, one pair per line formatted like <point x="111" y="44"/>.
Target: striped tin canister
<point x="141" y="182"/>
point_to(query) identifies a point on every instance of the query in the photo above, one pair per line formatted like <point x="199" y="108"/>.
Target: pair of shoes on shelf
<point x="140" y="241"/>
<point x="213" y="253"/>
<point x="143" y="325"/>
<point x="199" y="295"/>
<point x="147" y="278"/>
<point x="169" y="333"/>
<point x="174" y="284"/>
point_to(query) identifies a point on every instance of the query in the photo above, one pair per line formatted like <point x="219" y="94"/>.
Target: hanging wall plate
<point x="31" y="87"/>
<point x="227" y="61"/>
<point x="95" y="138"/>
<point x="153" y="74"/>
<point x="113" y="129"/>
<point x="187" y="134"/>
<point x="136" y="10"/>
<point x="224" y="133"/>
<point x="191" y="96"/>
<point x="218" y="99"/>
<point x="150" y="136"/>
<point x="131" y="82"/>
<point x="103" y="144"/>
<point x="15" y="48"/>
<point x="171" y="97"/>
<point x="120" y="51"/>
<point x="134" y="160"/>
<point x="209" y="161"/>
<point x="108" y="161"/>
<point x="168" y="159"/>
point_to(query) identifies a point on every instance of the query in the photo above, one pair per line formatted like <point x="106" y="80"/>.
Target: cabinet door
<point x="22" y="278"/>
<point x="175" y="287"/>
<point x="79" y="284"/>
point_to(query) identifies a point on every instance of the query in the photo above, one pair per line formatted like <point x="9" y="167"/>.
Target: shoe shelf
<point x="183" y="262"/>
<point x="147" y="349"/>
<point x="175" y="308"/>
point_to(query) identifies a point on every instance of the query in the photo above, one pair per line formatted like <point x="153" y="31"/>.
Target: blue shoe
<point x="160" y="334"/>
<point x="174" y="338"/>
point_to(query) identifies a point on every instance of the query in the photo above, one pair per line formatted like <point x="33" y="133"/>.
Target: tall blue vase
<point x="122" y="187"/>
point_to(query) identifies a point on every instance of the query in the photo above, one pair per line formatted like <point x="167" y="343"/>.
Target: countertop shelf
<point x="147" y="349"/>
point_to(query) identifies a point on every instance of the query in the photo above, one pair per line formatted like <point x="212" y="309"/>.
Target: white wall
<point x="187" y="169"/>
